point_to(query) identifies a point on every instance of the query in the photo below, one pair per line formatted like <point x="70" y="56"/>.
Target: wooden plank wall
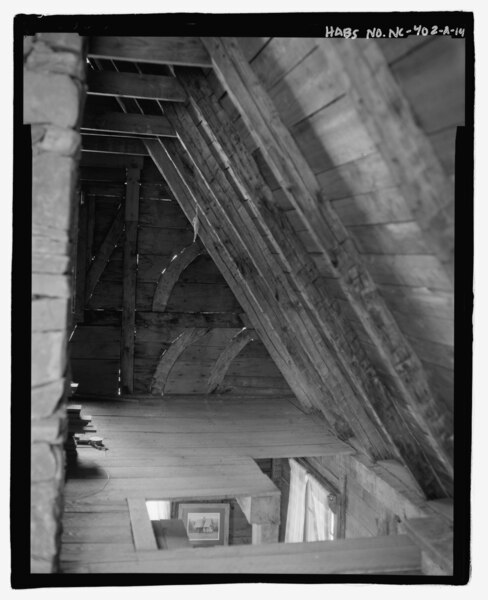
<point x="354" y="176"/>
<point x="378" y="497"/>
<point x="163" y="232"/>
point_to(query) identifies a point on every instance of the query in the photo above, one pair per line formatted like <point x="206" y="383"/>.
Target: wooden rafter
<point x="168" y="359"/>
<point x="236" y="161"/>
<point x="228" y="354"/>
<point x="278" y="292"/>
<point x="412" y="393"/>
<point x="247" y="284"/>
<point x="133" y="85"/>
<point x="171" y="274"/>
<point x="115" y="122"/>
<point x="235" y="270"/>
<point x="186" y="51"/>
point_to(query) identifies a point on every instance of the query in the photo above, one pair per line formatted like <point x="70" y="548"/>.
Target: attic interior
<point x="253" y="278"/>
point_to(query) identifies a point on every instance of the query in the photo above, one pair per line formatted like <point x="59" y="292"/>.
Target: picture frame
<point x="205" y="524"/>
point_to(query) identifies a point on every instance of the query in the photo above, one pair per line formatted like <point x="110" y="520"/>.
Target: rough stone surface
<point x="63" y="41"/>
<point x="50" y="263"/>
<point x="43" y="462"/>
<point x="62" y="141"/>
<point x="50" y="285"/>
<point x="44" y="58"/>
<point x="54" y="65"/>
<point x="50" y="98"/>
<point x="40" y="565"/>
<point x="48" y="355"/>
<point x="53" y="180"/>
<point x="46" y="398"/>
<point x="45" y="519"/>
<point x="49" y="314"/>
<point x="28" y="43"/>
<point x="51" y="430"/>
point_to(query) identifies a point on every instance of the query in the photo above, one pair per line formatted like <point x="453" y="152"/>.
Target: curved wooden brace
<point x="171" y="274"/>
<point x="223" y="362"/>
<point x="168" y="359"/>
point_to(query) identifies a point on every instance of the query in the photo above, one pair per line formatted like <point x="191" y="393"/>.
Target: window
<point x="311" y="513"/>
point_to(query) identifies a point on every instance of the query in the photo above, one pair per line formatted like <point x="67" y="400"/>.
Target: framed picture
<point x="205" y="524"/>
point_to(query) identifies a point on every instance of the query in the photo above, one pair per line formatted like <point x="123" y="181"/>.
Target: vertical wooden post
<point x="129" y="279"/>
<point x="79" y="296"/>
<point x="265" y="533"/>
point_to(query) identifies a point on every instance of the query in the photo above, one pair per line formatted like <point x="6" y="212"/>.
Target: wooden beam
<point x="109" y="161"/>
<point x="412" y="394"/>
<point x="114" y="122"/>
<point x="169" y="277"/>
<point x="265" y="534"/>
<point x="395" y="554"/>
<point x="142" y="531"/>
<point x="261" y="510"/>
<point x="134" y="85"/>
<point x="102" y="144"/>
<point x="129" y="279"/>
<point x="151" y="319"/>
<point x="225" y="358"/>
<point x="103" y="256"/>
<point x="168" y="359"/>
<point x="186" y="51"/>
<point x="81" y="259"/>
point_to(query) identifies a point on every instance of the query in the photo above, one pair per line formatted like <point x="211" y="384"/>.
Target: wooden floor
<point x="173" y="448"/>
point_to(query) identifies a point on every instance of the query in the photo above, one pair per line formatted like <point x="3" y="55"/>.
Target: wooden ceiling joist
<point x="120" y="123"/>
<point x="186" y="51"/>
<point x="108" y="161"/>
<point x="237" y="162"/>
<point x="104" y="144"/>
<point x="412" y="395"/>
<point x="134" y="85"/>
